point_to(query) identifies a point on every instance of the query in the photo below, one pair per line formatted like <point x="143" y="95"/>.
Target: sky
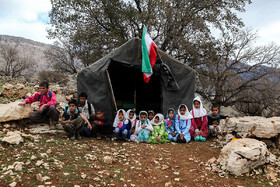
<point x="29" y="19"/>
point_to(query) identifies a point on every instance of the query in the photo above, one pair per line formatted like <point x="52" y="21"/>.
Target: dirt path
<point x="69" y="163"/>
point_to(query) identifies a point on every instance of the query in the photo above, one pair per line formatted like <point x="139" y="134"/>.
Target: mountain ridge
<point x="29" y="48"/>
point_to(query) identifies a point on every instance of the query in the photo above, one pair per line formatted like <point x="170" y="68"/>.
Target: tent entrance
<point x="131" y="91"/>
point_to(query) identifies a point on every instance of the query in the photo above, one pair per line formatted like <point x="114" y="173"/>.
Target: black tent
<point x="116" y="81"/>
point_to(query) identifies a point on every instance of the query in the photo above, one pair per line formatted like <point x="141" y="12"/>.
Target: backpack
<point x="66" y="110"/>
<point x="50" y="96"/>
<point x="89" y="109"/>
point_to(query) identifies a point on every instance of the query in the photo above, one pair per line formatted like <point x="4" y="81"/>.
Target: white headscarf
<point x="160" y="121"/>
<point x="117" y="120"/>
<point x="198" y="112"/>
<point x="127" y="115"/>
<point x="187" y="114"/>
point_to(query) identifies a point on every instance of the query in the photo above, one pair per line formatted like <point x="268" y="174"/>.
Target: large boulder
<point x="253" y="126"/>
<point x="12" y="111"/>
<point x="14" y="91"/>
<point x="243" y="155"/>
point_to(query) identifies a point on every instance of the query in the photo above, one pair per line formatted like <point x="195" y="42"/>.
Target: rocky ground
<point x="53" y="160"/>
<point x="33" y="155"/>
<point x="56" y="161"/>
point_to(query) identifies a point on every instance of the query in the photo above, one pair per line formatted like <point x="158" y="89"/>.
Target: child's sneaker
<point x="73" y="137"/>
<point x="99" y="137"/>
<point x="78" y="136"/>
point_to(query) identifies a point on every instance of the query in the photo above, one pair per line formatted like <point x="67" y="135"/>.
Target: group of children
<point x="80" y="118"/>
<point x="179" y="128"/>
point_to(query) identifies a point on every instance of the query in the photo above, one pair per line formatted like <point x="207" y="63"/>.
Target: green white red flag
<point x="149" y="55"/>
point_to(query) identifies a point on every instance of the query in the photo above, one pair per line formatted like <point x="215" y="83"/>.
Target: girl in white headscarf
<point x="131" y="116"/>
<point x="122" y="125"/>
<point x="183" y="124"/>
<point x="159" y="135"/>
<point x="143" y="128"/>
<point x="199" y="128"/>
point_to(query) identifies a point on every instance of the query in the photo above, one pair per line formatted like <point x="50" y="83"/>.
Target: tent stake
<point x="111" y="89"/>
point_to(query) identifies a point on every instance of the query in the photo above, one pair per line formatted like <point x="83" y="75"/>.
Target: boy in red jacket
<point x="47" y="111"/>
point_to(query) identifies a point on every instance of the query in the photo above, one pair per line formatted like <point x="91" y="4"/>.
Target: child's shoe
<point x="78" y="136"/>
<point x="73" y="137"/>
<point x="197" y="138"/>
<point x="202" y="139"/>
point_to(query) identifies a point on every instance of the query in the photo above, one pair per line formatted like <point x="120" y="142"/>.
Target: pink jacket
<point x="45" y="99"/>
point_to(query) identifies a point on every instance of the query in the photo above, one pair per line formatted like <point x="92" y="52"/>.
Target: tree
<point x="63" y="58"/>
<point x="96" y="27"/>
<point x="232" y="70"/>
<point x="12" y="63"/>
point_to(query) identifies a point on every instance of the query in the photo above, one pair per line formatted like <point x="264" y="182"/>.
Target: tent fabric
<point x="177" y="80"/>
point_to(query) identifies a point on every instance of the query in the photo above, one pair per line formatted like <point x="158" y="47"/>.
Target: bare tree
<point x="263" y="99"/>
<point x="13" y="64"/>
<point x="233" y="66"/>
<point x="62" y="57"/>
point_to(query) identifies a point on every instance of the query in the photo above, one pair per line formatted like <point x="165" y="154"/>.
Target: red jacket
<point x="45" y="99"/>
<point x="200" y="124"/>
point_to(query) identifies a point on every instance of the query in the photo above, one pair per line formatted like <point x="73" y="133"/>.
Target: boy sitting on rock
<point x="214" y="121"/>
<point x="73" y="120"/>
<point x="47" y="111"/>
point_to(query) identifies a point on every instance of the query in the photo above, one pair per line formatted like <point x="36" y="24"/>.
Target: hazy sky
<point x="29" y="19"/>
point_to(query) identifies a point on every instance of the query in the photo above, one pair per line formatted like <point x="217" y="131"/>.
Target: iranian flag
<point x="148" y="55"/>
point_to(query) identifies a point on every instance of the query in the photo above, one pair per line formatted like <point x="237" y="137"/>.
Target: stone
<point x="39" y="162"/>
<point x="33" y="157"/>
<point x="12" y="111"/>
<point x="212" y="160"/>
<point x="168" y="184"/>
<point x="108" y="159"/>
<point x="39" y="177"/>
<point x="243" y="155"/>
<point x="9" y="172"/>
<point x="6" y="126"/>
<point x="164" y="167"/>
<point x="229" y="137"/>
<point x="14" y="91"/>
<point x="13" y="184"/>
<point x="13" y="138"/>
<point x="83" y="176"/>
<point x="254" y="126"/>
<point x="45" y="178"/>
<point x="18" y="166"/>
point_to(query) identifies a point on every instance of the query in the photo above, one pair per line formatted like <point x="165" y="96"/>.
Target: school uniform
<point x="170" y="126"/>
<point x="199" y="121"/>
<point x="183" y="125"/>
<point x="159" y="129"/>
<point x="122" y="128"/>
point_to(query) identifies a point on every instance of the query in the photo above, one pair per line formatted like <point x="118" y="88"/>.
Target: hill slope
<point x="28" y="48"/>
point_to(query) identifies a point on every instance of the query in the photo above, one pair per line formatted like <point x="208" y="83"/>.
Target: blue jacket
<point x="183" y="127"/>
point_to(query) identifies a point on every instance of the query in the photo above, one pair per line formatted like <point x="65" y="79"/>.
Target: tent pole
<point x="111" y="89"/>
